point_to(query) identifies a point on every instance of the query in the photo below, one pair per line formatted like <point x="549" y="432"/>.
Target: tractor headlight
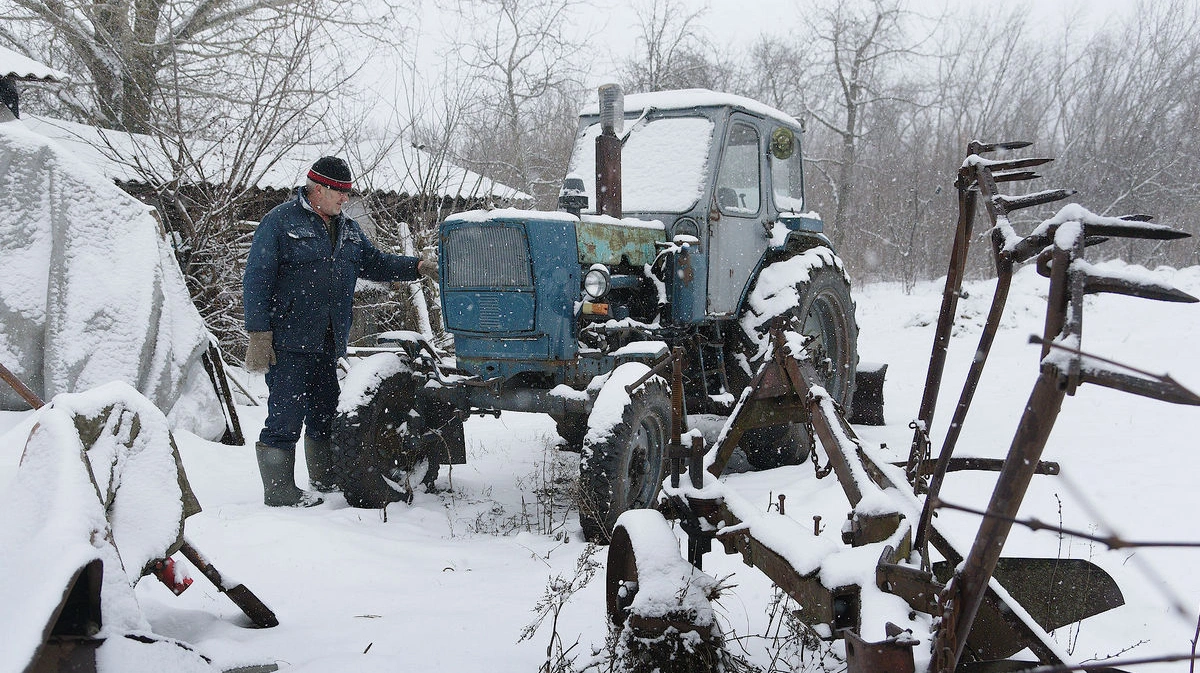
<point x="596" y="282"/>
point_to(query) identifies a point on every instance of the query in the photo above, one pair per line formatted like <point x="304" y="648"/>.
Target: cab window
<point x="738" y="180"/>
<point x="787" y="182"/>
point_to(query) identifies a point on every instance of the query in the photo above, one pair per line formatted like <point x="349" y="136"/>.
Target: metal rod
<point x="966" y="591"/>
<point x="999" y="301"/>
<point x="941" y="335"/>
<point x="31" y="398"/>
<point x="1110" y="541"/>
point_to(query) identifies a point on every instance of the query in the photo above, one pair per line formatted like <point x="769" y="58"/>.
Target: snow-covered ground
<point x="450" y="582"/>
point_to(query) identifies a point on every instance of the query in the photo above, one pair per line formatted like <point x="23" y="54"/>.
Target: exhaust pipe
<point x="608" y="150"/>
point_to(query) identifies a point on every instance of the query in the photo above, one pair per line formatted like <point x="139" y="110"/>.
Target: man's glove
<point x="428" y="266"/>
<point x="260" y="354"/>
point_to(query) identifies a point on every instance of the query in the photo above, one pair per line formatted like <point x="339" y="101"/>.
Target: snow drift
<point x="90" y="291"/>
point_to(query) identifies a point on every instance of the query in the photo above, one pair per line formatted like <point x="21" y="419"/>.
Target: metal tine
<point x="1011" y="203"/>
<point x="1163" y="389"/>
<point x="1095" y="234"/>
<point x="976" y="147"/>
<point x="1102" y="371"/>
<point x="1013" y="164"/>
<point x="1093" y="284"/>
<point x="1136" y="229"/>
<point x="1015" y="176"/>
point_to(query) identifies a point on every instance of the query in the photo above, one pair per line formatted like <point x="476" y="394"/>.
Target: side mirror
<point x="572" y="197"/>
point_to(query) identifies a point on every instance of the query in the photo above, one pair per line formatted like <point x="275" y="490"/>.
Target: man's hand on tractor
<point x="260" y="354"/>
<point x="428" y="266"/>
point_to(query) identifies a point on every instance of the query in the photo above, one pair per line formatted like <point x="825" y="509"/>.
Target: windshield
<point x="663" y="164"/>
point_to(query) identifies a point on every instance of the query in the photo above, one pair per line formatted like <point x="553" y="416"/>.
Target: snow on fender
<point x="622" y="463"/>
<point x="658" y="604"/>
<point x="611" y="402"/>
<point x="363" y="380"/>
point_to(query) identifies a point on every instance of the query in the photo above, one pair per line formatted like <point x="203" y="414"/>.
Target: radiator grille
<point x="489" y="313"/>
<point x="487" y="257"/>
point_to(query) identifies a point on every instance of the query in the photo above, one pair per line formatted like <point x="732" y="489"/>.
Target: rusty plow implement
<point x="981" y="609"/>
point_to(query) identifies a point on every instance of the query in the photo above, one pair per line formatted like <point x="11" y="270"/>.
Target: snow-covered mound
<point x="91" y="292"/>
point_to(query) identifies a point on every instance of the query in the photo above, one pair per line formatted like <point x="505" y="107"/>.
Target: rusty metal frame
<point x="972" y="613"/>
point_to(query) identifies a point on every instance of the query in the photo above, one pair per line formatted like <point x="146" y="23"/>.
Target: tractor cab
<point x="720" y="170"/>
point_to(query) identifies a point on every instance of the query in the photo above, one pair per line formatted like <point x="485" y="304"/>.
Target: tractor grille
<point x="490" y="318"/>
<point x="487" y="257"/>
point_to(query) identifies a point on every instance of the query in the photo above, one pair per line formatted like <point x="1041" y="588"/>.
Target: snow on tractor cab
<point x="691" y="233"/>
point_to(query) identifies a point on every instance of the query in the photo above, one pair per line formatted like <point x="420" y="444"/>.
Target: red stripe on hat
<point x="328" y="181"/>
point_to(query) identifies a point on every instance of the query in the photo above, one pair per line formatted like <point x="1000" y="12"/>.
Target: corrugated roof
<point x="399" y="168"/>
<point x="24" y="68"/>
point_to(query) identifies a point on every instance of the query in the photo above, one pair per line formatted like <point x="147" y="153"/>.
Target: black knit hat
<point x="331" y="172"/>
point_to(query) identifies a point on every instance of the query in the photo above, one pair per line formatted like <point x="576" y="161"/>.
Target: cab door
<point x="736" y="235"/>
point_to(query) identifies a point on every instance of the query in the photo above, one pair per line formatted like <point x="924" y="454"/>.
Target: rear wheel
<point x="380" y="449"/>
<point x="623" y="462"/>
<point x="820" y="308"/>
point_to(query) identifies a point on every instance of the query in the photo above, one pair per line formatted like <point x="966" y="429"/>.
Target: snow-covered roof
<point x="22" y="67"/>
<point x="689" y="98"/>
<point x="400" y="168"/>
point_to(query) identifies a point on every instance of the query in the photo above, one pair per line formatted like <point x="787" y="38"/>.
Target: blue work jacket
<point x="297" y="284"/>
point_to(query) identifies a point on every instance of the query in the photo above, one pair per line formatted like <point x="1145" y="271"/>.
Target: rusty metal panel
<point x="894" y="655"/>
<point x="611" y="243"/>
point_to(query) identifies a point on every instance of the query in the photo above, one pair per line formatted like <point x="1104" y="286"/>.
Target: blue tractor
<point x="682" y="226"/>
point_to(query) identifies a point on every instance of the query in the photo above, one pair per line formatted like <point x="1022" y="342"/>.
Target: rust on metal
<point x="893" y="655"/>
<point x="31" y="398"/>
<point x="242" y="597"/>
<point x="608" y="175"/>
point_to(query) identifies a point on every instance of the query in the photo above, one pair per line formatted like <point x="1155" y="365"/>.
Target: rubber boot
<point x="319" y="455"/>
<point x="278" y="470"/>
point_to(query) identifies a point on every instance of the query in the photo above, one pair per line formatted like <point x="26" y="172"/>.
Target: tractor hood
<point x="612" y="242"/>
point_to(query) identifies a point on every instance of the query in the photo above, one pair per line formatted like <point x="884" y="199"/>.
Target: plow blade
<point x="1055" y="593"/>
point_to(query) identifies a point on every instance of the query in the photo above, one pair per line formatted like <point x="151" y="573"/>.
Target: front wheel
<point x="812" y="291"/>
<point x="379" y="455"/>
<point x="624" y="451"/>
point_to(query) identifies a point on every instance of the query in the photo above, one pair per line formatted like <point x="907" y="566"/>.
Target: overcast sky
<point x="611" y="28"/>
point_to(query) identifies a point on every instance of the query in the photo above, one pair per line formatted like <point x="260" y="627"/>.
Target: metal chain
<point x="821" y="472"/>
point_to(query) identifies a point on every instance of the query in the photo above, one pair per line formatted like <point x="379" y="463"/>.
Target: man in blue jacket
<point x="297" y="290"/>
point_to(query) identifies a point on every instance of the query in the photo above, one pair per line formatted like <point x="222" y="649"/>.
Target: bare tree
<point x="137" y="54"/>
<point x="1130" y="120"/>
<point x="522" y="54"/>
<point x="673" y="52"/>
<point x="777" y="73"/>
<point x="862" y="42"/>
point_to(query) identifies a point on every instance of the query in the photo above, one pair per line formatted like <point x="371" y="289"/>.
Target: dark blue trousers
<point x="303" y="391"/>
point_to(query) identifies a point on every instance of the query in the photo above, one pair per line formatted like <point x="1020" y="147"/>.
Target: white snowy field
<point x="450" y="582"/>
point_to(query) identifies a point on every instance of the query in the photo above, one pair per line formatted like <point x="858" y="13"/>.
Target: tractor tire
<point x="624" y="468"/>
<point x="378" y="452"/>
<point x="821" y="307"/>
<point x="571" y="428"/>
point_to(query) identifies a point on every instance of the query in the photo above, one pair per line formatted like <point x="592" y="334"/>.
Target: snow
<point x="775" y="290"/>
<point x="92" y="292"/>
<point x="661" y="571"/>
<point x="394" y="167"/>
<point x="512" y="214"/>
<point x="609" y="407"/>
<point x="19" y="66"/>
<point x="450" y="582"/>
<point x="682" y="99"/>
<point x="117" y="498"/>
<point x="650" y="183"/>
<point x="362" y="382"/>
